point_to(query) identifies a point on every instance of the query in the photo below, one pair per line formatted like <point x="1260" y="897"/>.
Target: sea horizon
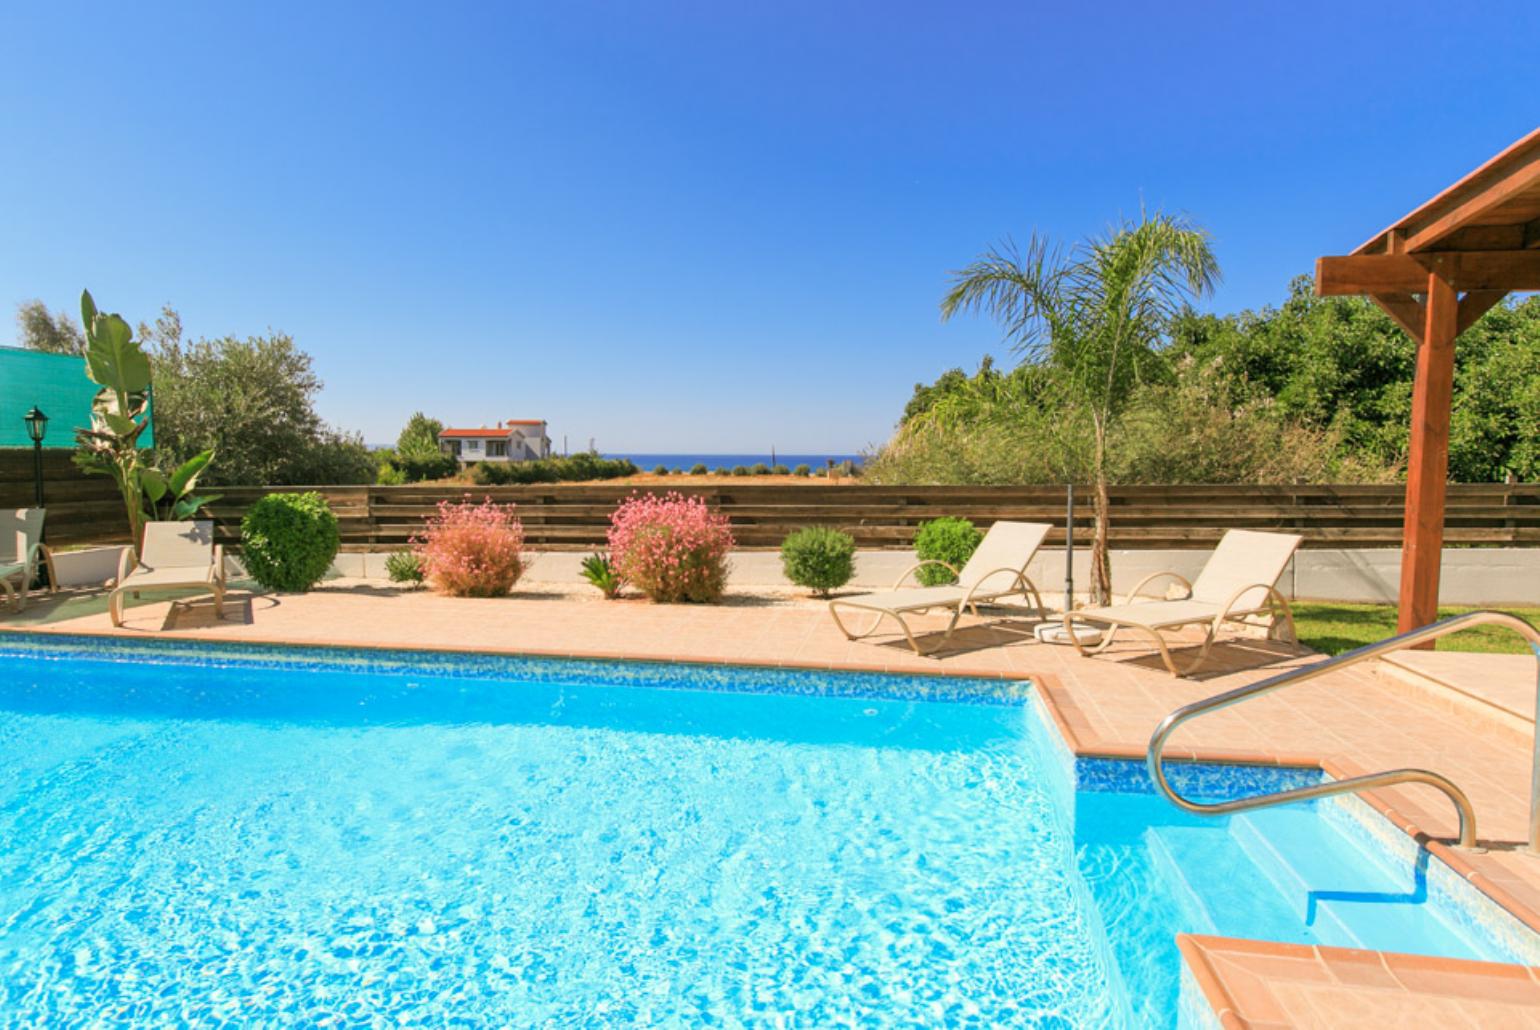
<point x="684" y="462"/>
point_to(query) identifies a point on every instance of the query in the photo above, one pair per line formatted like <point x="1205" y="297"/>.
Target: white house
<point x="519" y="439"/>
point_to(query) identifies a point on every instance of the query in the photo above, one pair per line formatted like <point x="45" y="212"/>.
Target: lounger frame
<point x="972" y="597"/>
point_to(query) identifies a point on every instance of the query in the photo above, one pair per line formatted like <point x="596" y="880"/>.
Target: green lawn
<point x="1334" y="628"/>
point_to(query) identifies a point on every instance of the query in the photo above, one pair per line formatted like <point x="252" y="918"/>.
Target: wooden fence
<point x="576" y="515"/>
<point x="81" y="508"/>
<point x="84" y="509"/>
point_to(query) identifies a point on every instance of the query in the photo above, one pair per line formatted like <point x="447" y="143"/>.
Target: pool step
<point x="1214" y="883"/>
<point x="1346" y="895"/>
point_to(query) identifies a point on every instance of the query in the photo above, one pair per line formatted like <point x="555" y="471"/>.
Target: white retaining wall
<point x="1476" y="576"/>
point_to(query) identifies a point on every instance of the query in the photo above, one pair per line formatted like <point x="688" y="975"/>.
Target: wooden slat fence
<point x="576" y="515"/>
<point x="81" y="508"/>
<point x="84" y="509"/>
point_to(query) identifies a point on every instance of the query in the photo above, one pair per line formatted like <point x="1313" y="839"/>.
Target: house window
<point x="497" y="448"/>
<point x="454" y="447"/>
<point x="473" y="445"/>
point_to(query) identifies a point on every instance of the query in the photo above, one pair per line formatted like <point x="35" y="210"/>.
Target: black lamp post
<point x="37" y="428"/>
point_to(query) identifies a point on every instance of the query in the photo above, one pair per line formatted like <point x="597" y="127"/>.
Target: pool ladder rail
<point x="1155" y="758"/>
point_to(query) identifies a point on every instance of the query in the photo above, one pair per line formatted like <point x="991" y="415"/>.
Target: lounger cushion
<point x="145" y="577"/>
<point x="907" y="599"/>
<point x="1244" y="557"/>
<point x="1007" y="545"/>
<point x="1154" y="613"/>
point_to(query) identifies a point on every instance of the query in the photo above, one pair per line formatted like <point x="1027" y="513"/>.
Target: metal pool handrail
<point x="1155" y="758"/>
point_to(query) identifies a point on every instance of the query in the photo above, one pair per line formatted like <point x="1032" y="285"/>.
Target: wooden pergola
<point x="1436" y="271"/>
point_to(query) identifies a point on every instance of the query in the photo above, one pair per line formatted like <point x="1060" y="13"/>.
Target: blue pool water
<point x="300" y="837"/>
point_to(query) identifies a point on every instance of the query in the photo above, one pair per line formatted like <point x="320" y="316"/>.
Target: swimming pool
<point x="195" y="834"/>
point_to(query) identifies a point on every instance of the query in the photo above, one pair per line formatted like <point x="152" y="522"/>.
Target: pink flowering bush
<point x="472" y="550"/>
<point x="672" y="548"/>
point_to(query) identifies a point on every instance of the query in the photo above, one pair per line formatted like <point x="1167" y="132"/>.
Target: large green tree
<point x="1097" y="316"/>
<point x="253" y="401"/>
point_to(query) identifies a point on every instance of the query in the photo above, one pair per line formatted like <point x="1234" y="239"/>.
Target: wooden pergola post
<point x="1435" y="272"/>
<point x="1427" y="470"/>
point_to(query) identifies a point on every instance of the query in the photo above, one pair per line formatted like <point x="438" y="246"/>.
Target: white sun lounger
<point x="997" y="569"/>
<point x="21" y="548"/>
<point x="1238" y="584"/>
<point x="176" y="556"/>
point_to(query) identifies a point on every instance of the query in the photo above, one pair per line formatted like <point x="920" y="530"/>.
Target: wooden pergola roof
<point x="1482" y="234"/>
<point x="1436" y="271"/>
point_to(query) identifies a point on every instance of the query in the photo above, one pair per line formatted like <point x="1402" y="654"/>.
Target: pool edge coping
<point x="1235" y="999"/>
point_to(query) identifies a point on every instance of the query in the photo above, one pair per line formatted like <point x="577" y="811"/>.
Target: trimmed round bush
<point x="740" y="470"/>
<point x="671" y="548"/>
<point x="472" y="550"/>
<point x="819" y="558"/>
<point x="780" y="470"/>
<point x="802" y="470"/>
<point x="949" y="539"/>
<point x="288" y="541"/>
<point x="760" y="469"/>
<point x="660" y="470"/>
<point x="699" y="469"/>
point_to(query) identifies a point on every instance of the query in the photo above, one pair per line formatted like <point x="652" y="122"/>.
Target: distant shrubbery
<point x="672" y="548"/>
<point x="819" y="558"/>
<point x="1313" y="390"/>
<point x="584" y="466"/>
<point x="947" y="539"/>
<point x="417" y="455"/>
<point x="802" y="470"/>
<point x="699" y="469"/>
<point x="472" y="550"/>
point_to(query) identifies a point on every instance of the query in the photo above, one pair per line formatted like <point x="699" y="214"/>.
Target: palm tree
<point x="1096" y="315"/>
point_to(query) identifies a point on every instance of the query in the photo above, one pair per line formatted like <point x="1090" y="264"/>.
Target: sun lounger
<point x="175" y="556"/>
<point x="21" y="548"/>
<point x="1238" y="584"/>
<point x="997" y="569"/>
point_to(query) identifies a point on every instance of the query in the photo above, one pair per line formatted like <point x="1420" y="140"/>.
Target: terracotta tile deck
<point x="1260" y="984"/>
<point x="1357" y="720"/>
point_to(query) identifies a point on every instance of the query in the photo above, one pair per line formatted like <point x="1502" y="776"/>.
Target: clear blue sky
<point x="706" y="226"/>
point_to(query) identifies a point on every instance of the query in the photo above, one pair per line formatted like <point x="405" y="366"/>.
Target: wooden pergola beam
<point x="1475" y="304"/>
<point x="1469" y="271"/>
<point x="1516" y="182"/>
<point x="1405" y="309"/>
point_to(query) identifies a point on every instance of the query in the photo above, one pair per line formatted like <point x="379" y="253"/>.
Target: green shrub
<point x="699" y="469"/>
<point x="760" y="469"/>
<point x="288" y="541"/>
<point x="404" y="567"/>
<point x="660" y="470"/>
<point x="780" y="470"/>
<point x="740" y="470"/>
<point x="390" y="475"/>
<point x="949" y="539"/>
<point x="819" y="558"/>
<point x="802" y="470"/>
<point x="600" y="573"/>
